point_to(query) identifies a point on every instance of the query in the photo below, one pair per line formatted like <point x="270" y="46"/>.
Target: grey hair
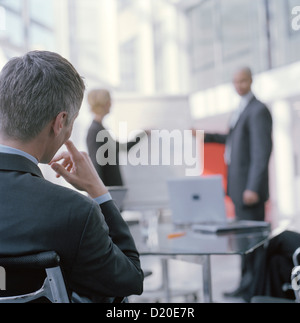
<point x="34" y="89"/>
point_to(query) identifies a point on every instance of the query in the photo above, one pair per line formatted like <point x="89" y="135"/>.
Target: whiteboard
<point x="147" y="183"/>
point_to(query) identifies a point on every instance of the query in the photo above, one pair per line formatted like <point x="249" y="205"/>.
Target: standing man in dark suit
<point x="247" y="154"/>
<point x="40" y="97"/>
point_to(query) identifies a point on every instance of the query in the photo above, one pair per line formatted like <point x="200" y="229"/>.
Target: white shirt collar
<point x="245" y="99"/>
<point x="9" y="150"/>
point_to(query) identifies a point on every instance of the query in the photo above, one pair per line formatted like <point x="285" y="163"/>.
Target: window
<point x="29" y="24"/>
<point x="14" y="29"/>
<point x="2" y="19"/>
<point x="15" y="5"/>
<point x="42" y="12"/>
<point x="203" y="45"/>
<point x="226" y="35"/>
<point x="128" y="66"/>
<point x="124" y="4"/>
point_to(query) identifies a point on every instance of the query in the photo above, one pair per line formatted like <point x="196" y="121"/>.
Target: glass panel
<point x="203" y="36"/>
<point x="127" y="65"/>
<point x="41" y="38"/>
<point x="158" y="56"/>
<point x="42" y="11"/>
<point x="123" y="4"/>
<point x="292" y="22"/>
<point x="2" y="19"/>
<point x="292" y="17"/>
<point x="203" y="45"/>
<point x="12" y="4"/>
<point x="14" y="29"/>
<point x="236" y="27"/>
<point x="226" y="35"/>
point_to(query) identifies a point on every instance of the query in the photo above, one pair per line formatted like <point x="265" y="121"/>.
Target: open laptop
<point x="118" y="194"/>
<point x="200" y="202"/>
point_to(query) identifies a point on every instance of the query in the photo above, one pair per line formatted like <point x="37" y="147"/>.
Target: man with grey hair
<point x="40" y="97"/>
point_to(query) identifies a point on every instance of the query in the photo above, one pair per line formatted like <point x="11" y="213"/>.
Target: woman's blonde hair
<point x="98" y="99"/>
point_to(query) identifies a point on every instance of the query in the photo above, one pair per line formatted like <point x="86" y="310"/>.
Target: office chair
<point x="41" y="265"/>
<point x="296" y="274"/>
<point x="296" y="257"/>
<point x="295" y="279"/>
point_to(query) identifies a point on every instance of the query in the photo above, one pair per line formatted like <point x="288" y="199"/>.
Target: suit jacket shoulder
<point x="257" y="105"/>
<point x="99" y="256"/>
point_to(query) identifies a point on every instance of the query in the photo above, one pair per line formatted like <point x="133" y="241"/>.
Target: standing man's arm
<point x="212" y="137"/>
<point x="215" y="138"/>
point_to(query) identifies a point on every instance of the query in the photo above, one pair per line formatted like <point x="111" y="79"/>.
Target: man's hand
<point x="250" y="198"/>
<point x="77" y="169"/>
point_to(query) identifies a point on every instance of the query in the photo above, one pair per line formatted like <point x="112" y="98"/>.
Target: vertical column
<point x="171" y="51"/>
<point x="108" y="31"/>
<point x="2" y="19"/>
<point x="218" y="46"/>
<point x="184" y="55"/>
<point x="62" y="34"/>
<point x="284" y="160"/>
<point x="72" y="30"/>
<point x="145" y="64"/>
<point x="207" y="281"/>
<point x="26" y="24"/>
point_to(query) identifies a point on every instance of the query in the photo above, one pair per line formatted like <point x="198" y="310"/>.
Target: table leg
<point x="165" y="279"/>
<point x="207" y="282"/>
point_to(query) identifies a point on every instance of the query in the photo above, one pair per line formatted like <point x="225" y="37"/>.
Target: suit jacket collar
<point x="11" y="162"/>
<point x="253" y="99"/>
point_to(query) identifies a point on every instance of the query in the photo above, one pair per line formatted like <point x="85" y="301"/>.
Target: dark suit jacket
<point x="274" y="265"/>
<point x="251" y="144"/>
<point x="109" y="173"/>
<point x="99" y="256"/>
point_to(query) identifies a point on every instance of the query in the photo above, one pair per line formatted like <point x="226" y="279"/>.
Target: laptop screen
<point x="197" y="199"/>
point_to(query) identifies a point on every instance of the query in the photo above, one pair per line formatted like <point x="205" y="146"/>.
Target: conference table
<point x="173" y="242"/>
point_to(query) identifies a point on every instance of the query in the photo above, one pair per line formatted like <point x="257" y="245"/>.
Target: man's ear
<point x="59" y="122"/>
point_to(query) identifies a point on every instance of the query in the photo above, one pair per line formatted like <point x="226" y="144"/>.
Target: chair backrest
<point x="296" y="274"/>
<point x="296" y="257"/>
<point x="53" y="288"/>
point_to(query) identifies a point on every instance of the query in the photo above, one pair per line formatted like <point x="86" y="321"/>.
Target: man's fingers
<point x="75" y="154"/>
<point x="60" y="157"/>
<point x="61" y="171"/>
<point x="56" y="159"/>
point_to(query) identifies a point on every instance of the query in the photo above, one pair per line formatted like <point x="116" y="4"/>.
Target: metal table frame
<point x="185" y="248"/>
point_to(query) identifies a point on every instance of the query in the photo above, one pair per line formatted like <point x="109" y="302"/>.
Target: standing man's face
<point x="242" y="82"/>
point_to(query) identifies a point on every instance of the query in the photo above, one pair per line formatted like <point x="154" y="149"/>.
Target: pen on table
<point x="176" y="235"/>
